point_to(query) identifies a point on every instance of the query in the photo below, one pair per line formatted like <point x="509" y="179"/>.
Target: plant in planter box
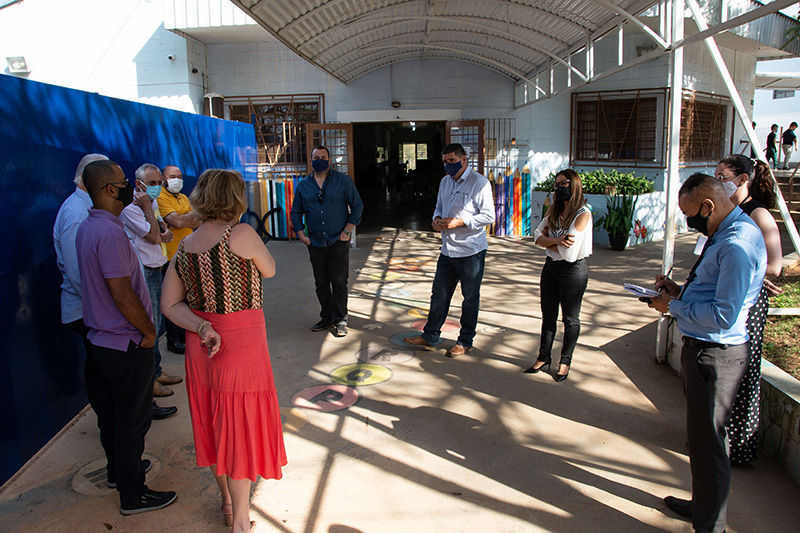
<point x="618" y="219"/>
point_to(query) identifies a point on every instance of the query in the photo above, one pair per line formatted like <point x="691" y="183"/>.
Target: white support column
<point x="713" y="49"/>
<point x="673" y="161"/>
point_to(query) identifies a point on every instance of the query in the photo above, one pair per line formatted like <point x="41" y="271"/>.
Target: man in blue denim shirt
<point x="711" y="311"/>
<point x="332" y="208"/>
<point x="464" y="208"/>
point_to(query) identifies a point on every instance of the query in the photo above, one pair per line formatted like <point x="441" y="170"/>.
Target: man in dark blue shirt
<point x="332" y="208"/>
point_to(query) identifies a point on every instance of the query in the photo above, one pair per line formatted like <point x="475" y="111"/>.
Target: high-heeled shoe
<point x="227" y="514"/>
<point x="561" y="377"/>
<point x="534" y="370"/>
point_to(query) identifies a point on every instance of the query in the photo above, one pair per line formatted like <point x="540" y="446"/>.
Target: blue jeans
<point x="153" y="278"/>
<point x="449" y="271"/>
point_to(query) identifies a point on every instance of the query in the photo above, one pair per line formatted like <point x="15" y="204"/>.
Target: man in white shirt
<point x="464" y="207"/>
<point x="149" y="233"/>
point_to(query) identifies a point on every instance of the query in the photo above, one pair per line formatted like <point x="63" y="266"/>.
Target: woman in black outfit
<point x="566" y="235"/>
<point x="751" y="186"/>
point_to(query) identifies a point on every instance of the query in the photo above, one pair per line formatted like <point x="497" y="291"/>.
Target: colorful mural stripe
<point x="512" y="201"/>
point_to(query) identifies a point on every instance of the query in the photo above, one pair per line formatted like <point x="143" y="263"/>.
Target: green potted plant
<point x="618" y="219"/>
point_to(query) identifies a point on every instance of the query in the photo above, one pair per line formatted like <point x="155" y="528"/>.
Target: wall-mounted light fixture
<point x="17" y="65"/>
<point x="395" y="104"/>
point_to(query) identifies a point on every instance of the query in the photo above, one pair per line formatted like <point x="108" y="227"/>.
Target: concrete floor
<point x="433" y="444"/>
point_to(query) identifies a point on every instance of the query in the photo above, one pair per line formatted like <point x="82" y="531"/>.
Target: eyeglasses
<point x="120" y="184"/>
<point x="320" y="196"/>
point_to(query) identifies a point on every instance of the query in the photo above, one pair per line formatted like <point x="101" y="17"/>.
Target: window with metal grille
<point x="703" y="128"/>
<point x="780" y="93"/>
<point x="619" y="127"/>
<point x="280" y="126"/>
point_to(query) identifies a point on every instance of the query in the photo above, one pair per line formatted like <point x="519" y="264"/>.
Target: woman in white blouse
<point x="566" y="235"/>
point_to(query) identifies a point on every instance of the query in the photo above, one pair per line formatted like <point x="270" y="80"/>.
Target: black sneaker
<point x="150" y="500"/>
<point x="112" y="482"/>
<point x="341" y="330"/>
<point x="322" y="325"/>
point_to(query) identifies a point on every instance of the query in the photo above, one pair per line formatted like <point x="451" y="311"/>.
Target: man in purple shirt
<point x="117" y="311"/>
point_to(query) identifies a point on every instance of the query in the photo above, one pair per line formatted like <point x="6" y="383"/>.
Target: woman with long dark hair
<point x="566" y="235"/>
<point x="751" y="186"/>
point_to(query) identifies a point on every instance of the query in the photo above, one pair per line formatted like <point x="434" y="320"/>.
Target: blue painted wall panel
<point x="44" y="132"/>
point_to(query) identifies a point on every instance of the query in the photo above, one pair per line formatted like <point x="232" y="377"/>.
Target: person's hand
<point x="143" y="200"/>
<point x="344" y="236"/>
<point x="661" y="302"/>
<point x="437" y="224"/>
<point x="567" y="240"/>
<point x="667" y="286"/>
<point x="148" y="341"/>
<point x="304" y="239"/>
<point x="772" y="289"/>
<point x="210" y="339"/>
<point x="166" y="236"/>
<point x="451" y="222"/>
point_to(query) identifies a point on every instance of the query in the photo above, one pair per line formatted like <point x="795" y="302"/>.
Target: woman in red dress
<point x="213" y="289"/>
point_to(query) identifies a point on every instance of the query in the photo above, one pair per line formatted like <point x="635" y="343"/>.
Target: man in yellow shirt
<point x="176" y="211"/>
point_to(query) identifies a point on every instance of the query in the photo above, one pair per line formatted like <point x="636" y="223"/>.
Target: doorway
<point x="398" y="167"/>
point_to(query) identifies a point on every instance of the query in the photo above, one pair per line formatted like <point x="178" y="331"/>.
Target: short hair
<point x="85" y="160"/>
<point x="164" y="170"/>
<point x="320" y="147"/>
<point x="793" y="124"/>
<point x="703" y="183"/>
<point x="454" y="148"/>
<point x="774" y="126"/>
<point x="141" y="172"/>
<point x="97" y="175"/>
<point x="219" y="195"/>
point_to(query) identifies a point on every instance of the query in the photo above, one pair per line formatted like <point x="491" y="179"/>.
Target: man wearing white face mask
<point x="176" y="211"/>
<point x="149" y="235"/>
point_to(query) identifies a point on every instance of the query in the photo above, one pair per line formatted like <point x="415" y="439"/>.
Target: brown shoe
<point x="161" y="391"/>
<point x="418" y="342"/>
<point x="166" y="379"/>
<point x="458" y="349"/>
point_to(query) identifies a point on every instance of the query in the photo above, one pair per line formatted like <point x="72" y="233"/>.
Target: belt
<point x="691" y="342"/>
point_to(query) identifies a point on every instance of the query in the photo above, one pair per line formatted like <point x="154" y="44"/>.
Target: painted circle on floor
<point x="293" y="419"/>
<point x="449" y="325"/>
<point x="405" y="268"/>
<point x="418" y="312"/>
<point x="388" y="276"/>
<point x="387" y="354"/>
<point x="380" y="285"/>
<point x="361" y="374"/>
<point x="393" y="293"/>
<point x="326" y="398"/>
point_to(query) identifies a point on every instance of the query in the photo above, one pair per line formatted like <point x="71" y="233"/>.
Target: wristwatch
<point x="348" y="233"/>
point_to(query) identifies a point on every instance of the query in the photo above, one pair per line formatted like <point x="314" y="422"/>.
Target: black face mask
<point x="563" y="193"/>
<point x="699" y="222"/>
<point x="124" y="195"/>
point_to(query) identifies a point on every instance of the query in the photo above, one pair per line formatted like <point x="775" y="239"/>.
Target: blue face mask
<point x="452" y="168"/>
<point x="153" y="191"/>
<point x="320" y="165"/>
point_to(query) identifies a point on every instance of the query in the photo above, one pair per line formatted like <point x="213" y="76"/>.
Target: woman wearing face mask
<point x="566" y="235"/>
<point x="751" y="187"/>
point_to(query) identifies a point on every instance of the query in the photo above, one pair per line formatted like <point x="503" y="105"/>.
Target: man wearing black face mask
<point x="117" y="311"/>
<point x="332" y="208"/>
<point x="464" y="207"/>
<point x="711" y="312"/>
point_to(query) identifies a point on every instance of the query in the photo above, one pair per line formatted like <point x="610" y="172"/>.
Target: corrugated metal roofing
<point x="349" y="38"/>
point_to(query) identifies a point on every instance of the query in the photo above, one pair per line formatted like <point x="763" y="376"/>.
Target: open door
<point x="469" y="134"/>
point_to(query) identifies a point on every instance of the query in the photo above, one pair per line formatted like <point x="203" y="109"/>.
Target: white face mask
<point x="174" y="185"/>
<point x="730" y="187"/>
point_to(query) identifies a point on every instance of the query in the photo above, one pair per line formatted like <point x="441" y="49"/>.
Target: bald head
<point x="98" y="174"/>
<point x="704" y="195"/>
<point x="85" y="160"/>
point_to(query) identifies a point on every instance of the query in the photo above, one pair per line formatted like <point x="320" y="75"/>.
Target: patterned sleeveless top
<point x="218" y="280"/>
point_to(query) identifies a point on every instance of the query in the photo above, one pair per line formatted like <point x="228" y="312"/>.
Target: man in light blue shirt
<point x="464" y="208"/>
<point x="711" y="311"/>
<point x="72" y="212"/>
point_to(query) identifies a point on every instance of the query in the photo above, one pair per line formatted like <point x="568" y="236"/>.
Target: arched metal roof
<point x="349" y="38"/>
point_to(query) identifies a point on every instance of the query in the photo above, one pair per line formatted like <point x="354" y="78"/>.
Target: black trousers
<point x="711" y="377"/>
<point x="120" y="389"/>
<point x="561" y="284"/>
<point x="331" y="266"/>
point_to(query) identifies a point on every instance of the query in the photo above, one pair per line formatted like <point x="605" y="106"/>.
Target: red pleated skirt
<point x="236" y="419"/>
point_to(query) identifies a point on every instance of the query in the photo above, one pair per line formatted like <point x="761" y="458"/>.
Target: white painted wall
<point x="117" y="49"/>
